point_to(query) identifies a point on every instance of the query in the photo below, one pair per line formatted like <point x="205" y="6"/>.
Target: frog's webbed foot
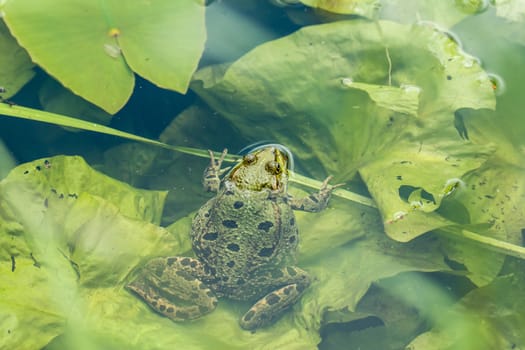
<point x="211" y="179"/>
<point x="270" y="307"/>
<point x="316" y="201"/>
<point x="173" y="287"/>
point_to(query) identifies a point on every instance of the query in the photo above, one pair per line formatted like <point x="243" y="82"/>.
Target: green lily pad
<point x="93" y="48"/>
<point x="59" y="230"/>
<point x="16" y="68"/>
<point x="381" y="97"/>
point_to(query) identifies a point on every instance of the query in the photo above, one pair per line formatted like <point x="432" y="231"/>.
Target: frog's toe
<point x="271" y="307"/>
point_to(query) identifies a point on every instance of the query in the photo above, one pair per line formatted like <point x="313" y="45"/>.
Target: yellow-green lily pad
<point x="94" y="47"/>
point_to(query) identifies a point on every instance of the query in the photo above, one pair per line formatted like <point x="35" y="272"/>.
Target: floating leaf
<point x="94" y="47"/>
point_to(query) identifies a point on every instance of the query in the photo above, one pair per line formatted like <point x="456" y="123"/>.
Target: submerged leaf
<point x="16" y="68"/>
<point x="493" y="320"/>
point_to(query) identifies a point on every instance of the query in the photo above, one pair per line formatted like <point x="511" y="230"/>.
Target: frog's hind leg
<point x="274" y="304"/>
<point x="173" y="287"/>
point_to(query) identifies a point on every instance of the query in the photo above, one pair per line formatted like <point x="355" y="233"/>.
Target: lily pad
<point x="93" y="48"/>
<point x="16" y="68"/>
<point x="381" y="97"/>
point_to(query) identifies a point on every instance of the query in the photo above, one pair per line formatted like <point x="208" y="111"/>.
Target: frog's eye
<point x="273" y="167"/>
<point x="249" y="158"/>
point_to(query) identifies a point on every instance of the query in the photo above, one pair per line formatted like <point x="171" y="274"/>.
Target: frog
<point x="245" y="240"/>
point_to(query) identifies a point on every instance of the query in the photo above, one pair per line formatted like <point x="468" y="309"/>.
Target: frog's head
<point x="264" y="168"/>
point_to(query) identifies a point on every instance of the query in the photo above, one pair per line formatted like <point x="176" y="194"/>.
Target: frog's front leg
<point x="173" y="287"/>
<point x="293" y="282"/>
<point x="211" y="178"/>
<point x="316" y="201"/>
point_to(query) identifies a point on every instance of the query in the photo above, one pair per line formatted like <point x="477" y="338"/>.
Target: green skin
<point x="245" y="241"/>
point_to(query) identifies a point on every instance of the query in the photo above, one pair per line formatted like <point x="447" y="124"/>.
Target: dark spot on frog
<point x="45" y="202"/>
<point x="240" y="281"/>
<point x="154" y="303"/>
<point x="225" y="278"/>
<point x="266" y="252"/>
<point x="291" y="271"/>
<point x="202" y="286"/>
<point x="54" y="191"/>
<point x="230" y="263"/>
<point x="206" y="252"/>
<point x="185" y="261"/>
<point x="238" y="204"/>
<point x="206" y="214"/>
<point x="228" y="192"/>
<point x="38" y="167"/>
<point x="203" y="309"/>
<point x="170" y="261"/>
<point x="234" y="247"/>
<point x="313" y="198"/>
<point x="210" y="236"/>
<point x="162" y="307"/>
<point x="26" y="172"/>
<point x="61" y="196"/>
<point x="449" y="77"/>
<point x="288" y="290"/>
<point x="265" y="226"/>
<point x="229" y="223"/>
<point x="181" y="314"/>
<point x="249" y="315"/>
<point x="210" y="270"/>
<point x="399" y="177"/>
<point x="301" y="288"/>
<point x="184" y="275"/>
<point x="291" y="239"/>
<point x="193" y="264"/>
<point x="292" y="221"/>
<point x="210" y="294"/>
<point x="170" y="309"/>
<point x="277" y="274"/>
<point x="13" y="263"/>
<point x="272" y="299"/>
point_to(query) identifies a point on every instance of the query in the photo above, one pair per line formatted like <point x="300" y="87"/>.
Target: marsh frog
<point x="245" y="241"/>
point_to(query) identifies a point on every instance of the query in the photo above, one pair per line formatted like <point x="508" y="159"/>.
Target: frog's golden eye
<point x="273" y="167"/>
<point x="249" y="158"/>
